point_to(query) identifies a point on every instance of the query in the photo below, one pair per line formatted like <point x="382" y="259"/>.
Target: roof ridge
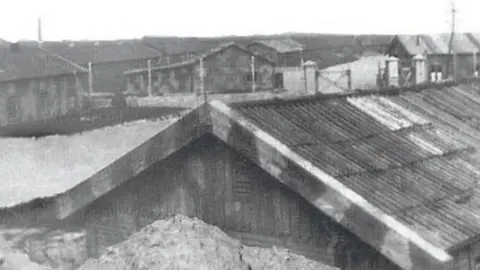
<point x="204" y="55"/>
<point x="356" y="93"/>
<point x="64" y="59"/>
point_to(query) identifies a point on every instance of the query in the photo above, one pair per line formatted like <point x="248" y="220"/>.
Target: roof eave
<point x="176" y="135"/>
<point x="400" y="244"/>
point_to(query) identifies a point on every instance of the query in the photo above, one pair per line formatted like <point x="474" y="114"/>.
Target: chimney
<point x="15" y="47"/>
<point x="40" y="41"/>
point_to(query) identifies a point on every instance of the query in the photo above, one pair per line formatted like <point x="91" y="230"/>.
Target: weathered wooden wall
<point x="468" y="258"/>
<point x="227" y="72"/>
<point x="109" y="76"/>
<point x="64" y="95"/>
<point x="464" y="62"/>
<point x="224" y="72"/>
<point x="209" y="181"/>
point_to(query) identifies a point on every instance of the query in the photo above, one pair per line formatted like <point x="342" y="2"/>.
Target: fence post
<point x="349" y="78"/>
<point x="252" y="66"/>
<point x="149" y="88"/>
<point x="454" y="60"/>
<point x="202" y="86"/>
<point x="419" y="64"/>
<point x="475" y="70"/>
<point x="90" y="81"/>
<point x="392" y="71"/>
<point x="310" y="69"/>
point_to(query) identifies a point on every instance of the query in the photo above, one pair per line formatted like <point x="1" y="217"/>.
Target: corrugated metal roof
<point x="439" y="43"/>
<point x="412" y="155"/>
<point x="27" y="63"/>
<point x="283" y="45"/>
<point x="82" y="52"/>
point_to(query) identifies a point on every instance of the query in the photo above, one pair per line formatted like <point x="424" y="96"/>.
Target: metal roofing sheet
<point x="284" y="45"/>
<point x="440" y="43"/>
<point x="413" y="155"/>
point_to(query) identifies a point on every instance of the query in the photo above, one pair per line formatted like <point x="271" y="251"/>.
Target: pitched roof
<point x="374" y="40"/>
<point x="31" y="62"/>
<point x="197" y="58"/>
<point x="369" y="162"/>
<point x="178" y="45"/>
<point x="82" y="52"/>
<point x="438" y="43"/>
<point x="391" y="168"/>
<point x="282" y="45"/>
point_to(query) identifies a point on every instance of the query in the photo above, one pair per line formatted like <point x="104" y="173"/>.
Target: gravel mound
<point x="185" y="243"/>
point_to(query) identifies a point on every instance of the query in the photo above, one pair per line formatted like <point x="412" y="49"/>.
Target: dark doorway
<point x="278" y="81"/>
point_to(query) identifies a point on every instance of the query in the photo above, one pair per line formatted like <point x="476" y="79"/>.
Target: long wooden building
<point x="226" y="69"/>
<point x="37" y="86"/>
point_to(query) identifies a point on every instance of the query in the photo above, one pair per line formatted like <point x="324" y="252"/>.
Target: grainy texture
<point x="436" y="50"/>
<point x="57" y="163"/>
<point x="63" y="95"/>
<point x="175" y="136"/>
<point x="392" y="238"/>
<point x="226" y="69"/>
<point x="398" y="170"/>
<point x="184" y="243"/>
<point x="286" y="53"/>
<point x="209" y="181"/>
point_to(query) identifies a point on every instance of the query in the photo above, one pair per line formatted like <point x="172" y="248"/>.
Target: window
<point x="248" y="76"/>
<point x="279" y="80"/>
<point x="436" y="73"/>
<point x="12" y="108"/>
<point x="436" y="68"/>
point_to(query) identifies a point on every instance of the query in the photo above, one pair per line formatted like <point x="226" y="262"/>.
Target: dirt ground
<point x="175" y="243"/>
<point x="185" y="243"/>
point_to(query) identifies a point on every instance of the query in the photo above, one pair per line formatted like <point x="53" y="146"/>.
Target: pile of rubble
<point x="184" y="243"/>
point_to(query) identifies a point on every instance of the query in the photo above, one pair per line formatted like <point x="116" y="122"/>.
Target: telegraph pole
<point x="452" y="35"/>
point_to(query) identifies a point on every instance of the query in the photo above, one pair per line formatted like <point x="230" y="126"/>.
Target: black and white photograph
<point x="240" y="135"/>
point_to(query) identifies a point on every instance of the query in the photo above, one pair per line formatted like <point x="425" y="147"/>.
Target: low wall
<point x="190" y="100"/>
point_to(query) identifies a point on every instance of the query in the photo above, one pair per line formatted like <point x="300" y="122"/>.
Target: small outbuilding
<point x="285" y="52"/>
<point x="36" y="85"/>
<point x="228" y="68"/>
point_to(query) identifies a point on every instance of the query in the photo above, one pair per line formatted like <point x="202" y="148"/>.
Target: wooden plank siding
<point x="210" y="181"/>
<point x="224" y="72"/>
<point x="63" y="95"/>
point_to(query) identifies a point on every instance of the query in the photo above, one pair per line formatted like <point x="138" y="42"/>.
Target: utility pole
<point x="90" y="80"/>
<point x="202" y="82"/>
<point x="149" y="89"/>
<point x="452" y="35"/>
<point x="252" y="66"/>
<point x="39" y="32"/>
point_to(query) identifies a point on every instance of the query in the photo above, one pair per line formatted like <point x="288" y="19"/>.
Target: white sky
<point x="110" y="19"/>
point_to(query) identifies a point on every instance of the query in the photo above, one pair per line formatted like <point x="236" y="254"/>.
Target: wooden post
<point x="349" y="78"/>
<point x="302" y="60"/>
<point x="454" y="60"/>
<point x="202" y="86"/>
<point x="149" y="89"/>
<point x="253" y="73"/>
<point x="90" y="80"/>
<point x="475" y="71"/>
<point x="379" y="75"/>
